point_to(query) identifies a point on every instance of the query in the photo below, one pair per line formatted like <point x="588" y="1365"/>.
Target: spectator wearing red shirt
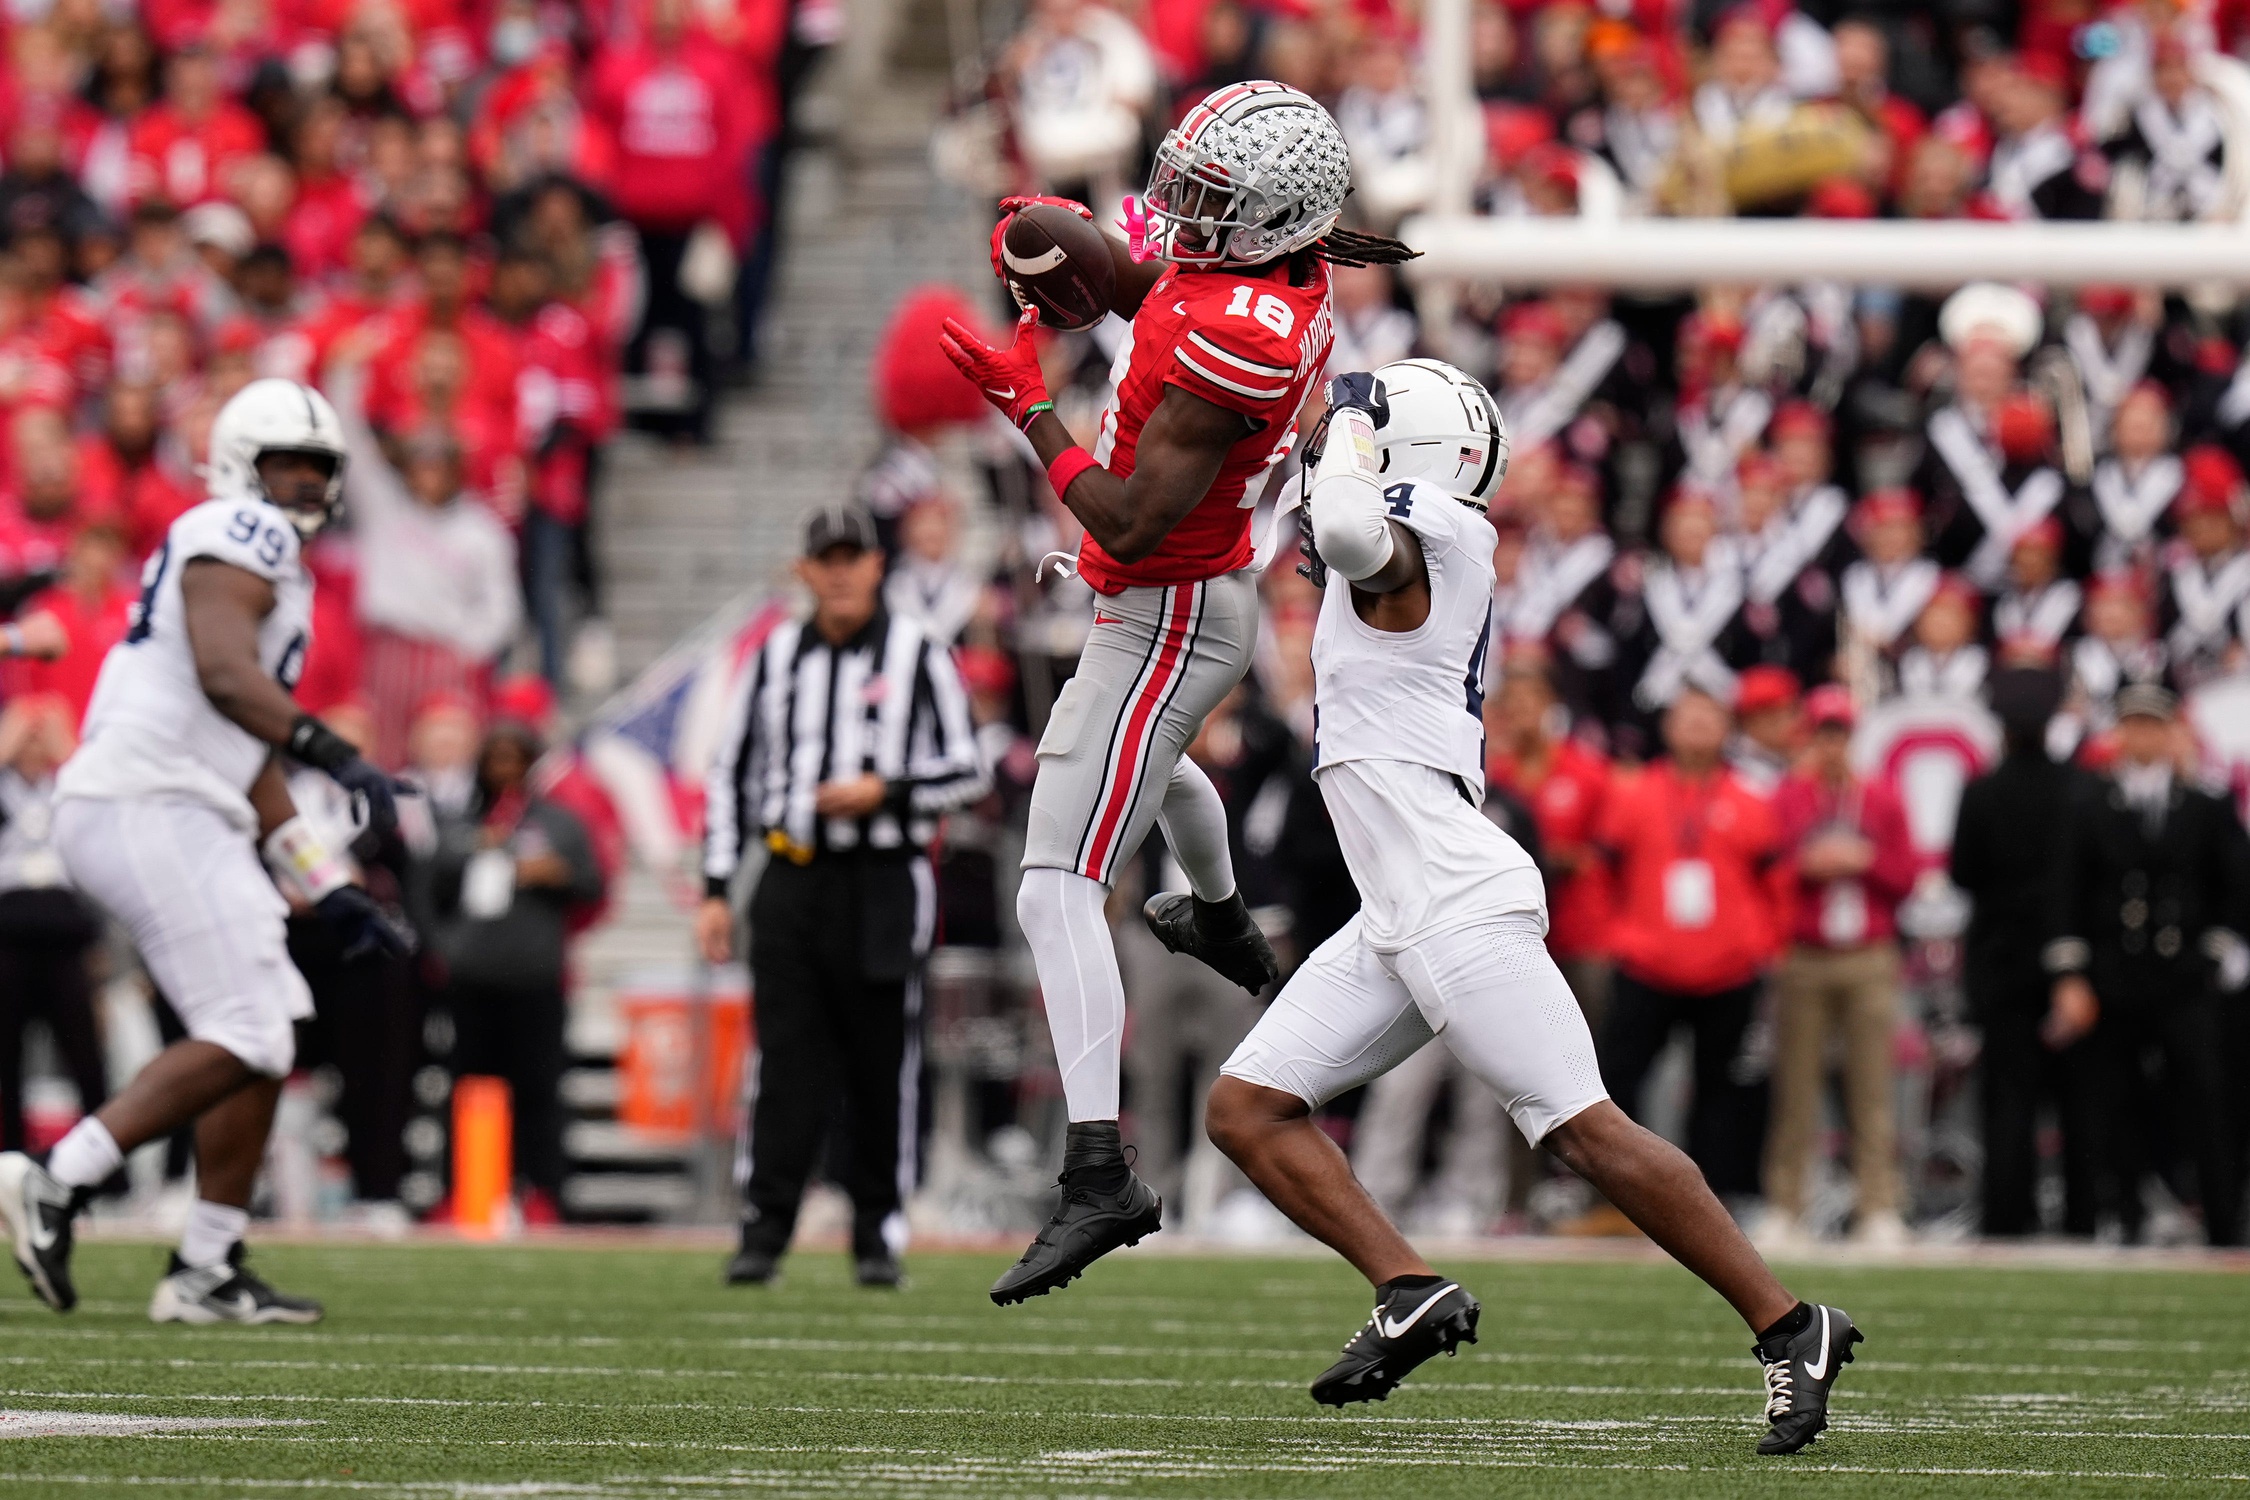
<point x="160" y="274"/>
<point x="597" y="265"/>
<point x="328" y="206"/>
<point x="560" y="417"/>
<point x="185" y="147"/>
<point x="673" y="103"/>
<point x="43" y="510"/>
<point x="358" y="312"/>
<point x="1693" y="849"/>
<point x="269" y="318"/>
<point x="1863" y="67"/>
<point x="1566" y="786"/>
<point x="93" y="604"/>
<point x="123" y="470"/>
<point x="63" y="321"/>
<point x="1851" y="862"/>
<point x="441" y="263"/>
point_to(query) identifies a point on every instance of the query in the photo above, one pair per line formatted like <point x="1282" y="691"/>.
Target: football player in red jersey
<point x="1230" y="328"/>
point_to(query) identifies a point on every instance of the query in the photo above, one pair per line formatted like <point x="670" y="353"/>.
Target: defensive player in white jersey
<point x="1449" y="941"/>
<point x="161" y="817"/>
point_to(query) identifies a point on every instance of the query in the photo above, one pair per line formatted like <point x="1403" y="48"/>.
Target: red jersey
<point x="393" y="402"/>
<point x="680" y="126"/>
<point x="185" y="160"/>
<point x="67" y="326"/>
<point x="1694" y="859"/>
<point x="1567" y="807"/>
<point x="1245" y="339"/>
<point x="318" y="231"/>
<point x="559" y="384"/>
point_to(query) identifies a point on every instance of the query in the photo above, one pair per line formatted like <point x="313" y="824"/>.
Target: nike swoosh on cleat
<point x="1819" y="1370"/>
<point x="1391" y="1330"/>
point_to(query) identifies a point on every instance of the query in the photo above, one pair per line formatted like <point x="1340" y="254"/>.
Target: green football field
<point x="462" y="1371"/>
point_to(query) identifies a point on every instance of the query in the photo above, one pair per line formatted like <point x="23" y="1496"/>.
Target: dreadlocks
<point x="1349" y="247"/>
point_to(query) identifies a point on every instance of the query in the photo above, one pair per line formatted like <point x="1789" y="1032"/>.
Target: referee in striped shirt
<point x="848" y="739"/>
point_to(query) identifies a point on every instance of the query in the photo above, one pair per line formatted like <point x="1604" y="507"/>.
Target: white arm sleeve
<point x="1350" y="526"/>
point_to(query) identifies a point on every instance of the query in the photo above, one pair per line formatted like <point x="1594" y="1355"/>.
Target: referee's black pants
<point x="1726" y="1125"/>
<point x="835" y="949"/>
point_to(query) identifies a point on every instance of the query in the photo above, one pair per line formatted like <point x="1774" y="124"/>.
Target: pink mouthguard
<point x="1135" y="226"/>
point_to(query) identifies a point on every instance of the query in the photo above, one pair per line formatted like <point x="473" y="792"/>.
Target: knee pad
<point x="1044" y="898"/>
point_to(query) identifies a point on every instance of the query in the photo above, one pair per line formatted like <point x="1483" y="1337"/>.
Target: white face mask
<point x="514" y="40"/>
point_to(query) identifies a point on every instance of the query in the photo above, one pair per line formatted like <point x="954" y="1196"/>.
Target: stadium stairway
<point x="681" y="533"/>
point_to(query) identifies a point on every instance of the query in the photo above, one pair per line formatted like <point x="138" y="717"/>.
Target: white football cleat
<point x="226" y="1293"/>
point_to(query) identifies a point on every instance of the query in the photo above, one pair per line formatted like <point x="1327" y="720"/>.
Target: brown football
<point x="1058" y="263"/>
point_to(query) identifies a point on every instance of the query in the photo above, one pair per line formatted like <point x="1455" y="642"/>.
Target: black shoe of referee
<point x="1221" y="933"/>
<point x="1801" y="1364"/>
<point x="1104" y="1205"/>
<point x="1410" y="1324"/>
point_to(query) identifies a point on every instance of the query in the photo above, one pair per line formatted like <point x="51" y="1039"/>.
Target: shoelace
<point x="1781" y="1389"/>
<point x="1070" y="1195"/>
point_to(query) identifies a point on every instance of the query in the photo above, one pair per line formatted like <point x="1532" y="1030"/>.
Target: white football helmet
<point x="1254" y="172"/>
<point x="1443" y="428"/>
<point x="276" y="416"/>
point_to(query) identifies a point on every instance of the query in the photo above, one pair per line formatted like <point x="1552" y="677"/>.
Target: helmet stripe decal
<point x="1492" y="442"/>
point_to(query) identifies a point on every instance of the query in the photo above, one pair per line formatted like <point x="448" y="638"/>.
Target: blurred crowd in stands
<point x="1783" y="570"/>
<point x="493" y="231"/>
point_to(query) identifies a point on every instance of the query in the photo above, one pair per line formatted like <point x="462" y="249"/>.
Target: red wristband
<point x="1068" y="465"/>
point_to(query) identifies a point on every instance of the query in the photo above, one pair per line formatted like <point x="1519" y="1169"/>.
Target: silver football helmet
<point x="1254" y="172"/>
<point x="1442" y="428"/>
<point x="276" y="416"/>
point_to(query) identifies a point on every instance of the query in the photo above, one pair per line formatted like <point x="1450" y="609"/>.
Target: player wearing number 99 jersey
<point x="151" y="730"/>
<point x="162" y="817"/>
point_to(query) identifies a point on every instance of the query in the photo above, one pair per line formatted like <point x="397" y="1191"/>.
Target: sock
<point x="212" y="1229"/>
<point x="1406" y="1284"/>
<point x="1194" y="821"/>
<point x="1094" y="1155"/>
<point x="1061" y="915"/>
<point x="85" y="1156"/>
<point x="1789" y="1324"/>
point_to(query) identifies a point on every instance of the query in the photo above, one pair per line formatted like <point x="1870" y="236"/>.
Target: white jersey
<point x="1399" y="741"/>
<point x="150" y="732"/>
<point x="1413" y="695"/>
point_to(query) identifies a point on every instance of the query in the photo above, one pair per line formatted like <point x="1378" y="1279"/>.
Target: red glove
<point x="1008" y="210"/>
<point x="1010" y="377"/>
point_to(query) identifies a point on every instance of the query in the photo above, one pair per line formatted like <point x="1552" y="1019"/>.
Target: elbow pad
<point x="1350" y="527"/>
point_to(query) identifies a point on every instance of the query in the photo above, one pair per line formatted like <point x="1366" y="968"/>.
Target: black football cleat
<point x="229" y="1292"/>
<point x="879" y="1270"/>
<point x="1409" y="1325"/>
<point x="1801" y="1368"/>
<point x="1088" y="1224"/>
<point x="753" y="1265"/>
<point x="1220" y="933"/>
<point x="38" y="1211"/>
